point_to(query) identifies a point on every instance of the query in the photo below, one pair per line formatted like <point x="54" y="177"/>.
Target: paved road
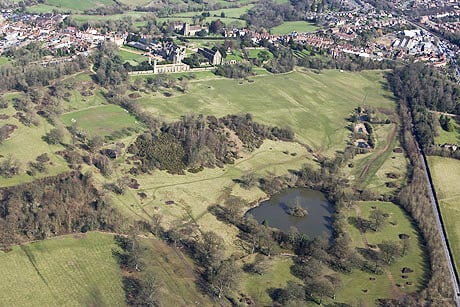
<point x="442" y="232"/>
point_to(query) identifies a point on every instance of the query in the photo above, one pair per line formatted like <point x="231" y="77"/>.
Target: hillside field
<point x="22" y="140"/>
<point x="315" y="105"/>
<point x="288" y="27"/>
<point x="101" y="120"/>
<point x="68" y="5"/>
<point x="65" y="271"/>
<point x="446" y="177"/>
<point x="449" y="137"/>
<point x="133" y="58"/>
<point x="390" y="283"/>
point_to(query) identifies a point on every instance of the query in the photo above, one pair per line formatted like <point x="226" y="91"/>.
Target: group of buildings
<point x="339" y="34"/>
<point x="19" y="30"/>
<point x="443" y="22"/>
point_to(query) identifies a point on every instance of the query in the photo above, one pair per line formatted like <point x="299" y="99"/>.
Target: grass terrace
<point x="294" y="26"/>
<point x="70" y="270"/>
<point x="446" y="176"/>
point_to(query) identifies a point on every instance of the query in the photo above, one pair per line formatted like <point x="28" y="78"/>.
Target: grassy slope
<point x="253" y="53"/>
<point x="25" y="144"/>
<point x="276" y="276"/>
<point x="314" y="105"/>
<point x="446" y="176"/>
<point x="450" y="137"/>
<point x="62" y="271"/>
<point x="131" y="57"/>
<point x="135" y="3"/>
<point x="380" y="162"/>
<point x="176" y="273"/>
<point x="193" y="193"/>
<point x="81" y="18"/>
<point x="4" y="60"/>
<point x="80" y="5"/>
<point x="382" y="287"/>
<point x="291" y="26"/>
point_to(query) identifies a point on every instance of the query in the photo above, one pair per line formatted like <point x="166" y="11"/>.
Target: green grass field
<point x="4" y="60"/>
<point x="253" y="53"/>
<point x="294" y="26"/>
<point x="193" y="193"/>
<point x="43" y="8"/>
<point x="64" y="271"/>
<point x="315" y="105"/>
<point x="100" y="120"/>
<point x="450" y="137"/>
<point x="81" y="18"/>
<point x="446" y="177"/>
<point x="276" y="276"/>
<point x="68" y="6"/>
<point x="192" y="76"/>
<point x="385" y="285"/>
<point x="135" y="3"/>
<point x="131" y="57"/>
<point x="80" y="5"/>
<point x="234" y="55"/>
<point x="176" y="273"/>
<point x="25" y="144"/>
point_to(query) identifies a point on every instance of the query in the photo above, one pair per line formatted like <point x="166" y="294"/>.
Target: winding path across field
<point x="378" y="154"/>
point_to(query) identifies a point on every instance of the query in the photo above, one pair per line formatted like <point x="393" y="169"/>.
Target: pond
<point x="275" y="212"/>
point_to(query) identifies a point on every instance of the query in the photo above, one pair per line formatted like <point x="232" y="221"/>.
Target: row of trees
<point x="423" y="89"/>
<point x="141" y="284"/>
<point x="236" y="71"/>
<point x="414" y="199"/>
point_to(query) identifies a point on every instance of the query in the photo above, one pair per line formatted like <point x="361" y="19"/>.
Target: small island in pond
<point x="297" y="210"/>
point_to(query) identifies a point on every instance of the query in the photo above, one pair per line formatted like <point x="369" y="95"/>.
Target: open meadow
<point x="101" y="120"/>
<point x="176" y="273"/>
<point x="449" y="137"/>
<point x="134" y="58"/>
<point x="4" y="60"/>
<point x="81" y="270"/>
<point x="288" y="27"/>
<point x="315" y="105"/>
<point x="187" y="197"/>
<point x="25" y="143"/>
<point x="358" y="286"/>
<point x="68" y="5"/>
<point x="446" y="177"/>
<point x="276" y="276"/>
<point x="70" y="270"/>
